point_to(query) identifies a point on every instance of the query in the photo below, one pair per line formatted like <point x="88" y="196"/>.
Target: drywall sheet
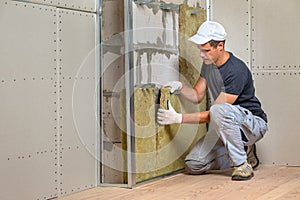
<point x="279" y="93"/>
<point x="28" y="125"/>
<point x="267" y="29"/>
<point x="275" y="25"/>
<point x="155" y="41"/>
<point x="235" y="17"/>
<point x="48" y="121"/>
<point x="86" y="5"/>
<point x="276" y="68"/>
<point x="77" y="61"/>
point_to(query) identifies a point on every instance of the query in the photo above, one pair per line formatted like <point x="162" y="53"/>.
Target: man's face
<point x="210" y="54"/>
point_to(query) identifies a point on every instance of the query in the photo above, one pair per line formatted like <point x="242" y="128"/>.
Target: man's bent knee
<point x="220" y="113"/>
<point x="195" y="167"/>
<point x="220" y="109"/>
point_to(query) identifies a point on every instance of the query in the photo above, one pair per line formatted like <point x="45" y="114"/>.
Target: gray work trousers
<point x="223" y="147"/>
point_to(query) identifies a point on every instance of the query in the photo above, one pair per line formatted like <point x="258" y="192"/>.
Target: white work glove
<point x="174" y="85"/>
<point x="165" y="117"/>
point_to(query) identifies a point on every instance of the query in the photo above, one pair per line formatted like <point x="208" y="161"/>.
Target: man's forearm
<point x="196" y="118"/>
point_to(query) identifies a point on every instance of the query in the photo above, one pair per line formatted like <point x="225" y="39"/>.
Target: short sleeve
<point x="234" y="83"/>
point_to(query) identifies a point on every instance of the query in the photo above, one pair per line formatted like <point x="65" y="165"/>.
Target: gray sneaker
<point x="242" y="172"/>
<point x="251" y="156"/>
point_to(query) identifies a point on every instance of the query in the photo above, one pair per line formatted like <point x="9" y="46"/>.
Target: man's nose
<point x="202" y="54"/>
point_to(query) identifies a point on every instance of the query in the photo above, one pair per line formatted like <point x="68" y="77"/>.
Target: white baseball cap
<point x="208" y="31"/>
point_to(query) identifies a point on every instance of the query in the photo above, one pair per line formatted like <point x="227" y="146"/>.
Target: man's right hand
<point x="175" y="86"/>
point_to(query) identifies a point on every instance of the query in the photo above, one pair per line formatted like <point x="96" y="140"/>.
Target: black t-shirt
<point x="233" y="77"/>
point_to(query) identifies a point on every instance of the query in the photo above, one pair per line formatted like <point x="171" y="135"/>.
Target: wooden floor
<point x="268" y="183"/>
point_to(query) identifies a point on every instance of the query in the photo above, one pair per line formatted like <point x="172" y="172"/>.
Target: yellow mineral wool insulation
<point x="159" y="149"/>
<point x="169" y="157"/>
<point x="167" y="133"/>
<point x="145" y="132"/>
<point x="149" y="135"/>
<point x="190" y="18"/>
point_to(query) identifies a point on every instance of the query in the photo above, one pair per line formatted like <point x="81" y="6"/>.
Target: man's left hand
<point x="165" y="117"/>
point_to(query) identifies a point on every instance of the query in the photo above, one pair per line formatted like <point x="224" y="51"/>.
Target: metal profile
<point x="168" y="6"/>
<point x="99" y="82"/>
<point x="162" y="5"/>
<point x="141" y="2"/>
<point x="129" y="87"/>
<point x="129" y="95"/>
<point x="208" y="10"/>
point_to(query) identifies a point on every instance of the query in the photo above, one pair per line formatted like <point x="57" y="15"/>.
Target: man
<point x="236" y="119"/>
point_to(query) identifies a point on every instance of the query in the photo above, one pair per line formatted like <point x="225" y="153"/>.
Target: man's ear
<point x="221" y="45"/>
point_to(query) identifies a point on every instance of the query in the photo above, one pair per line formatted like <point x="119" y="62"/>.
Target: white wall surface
<point x="234" y="15"/>
<point x="276" y="69"/>
<point x="84" y="5"/>
<point x="262" y="33"/>
<point x="47" y="85"/>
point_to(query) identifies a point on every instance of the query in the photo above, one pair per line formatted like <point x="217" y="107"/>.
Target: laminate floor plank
<point x="268" y="183"/>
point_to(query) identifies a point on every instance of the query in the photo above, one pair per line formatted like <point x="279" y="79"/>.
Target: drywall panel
<point x="234" y="16"/>
<point x="279" y="94"/>
<point x="78" y="139"/>
<point x="28" y="86"/>
<point x="275" y="63"/>
<point x="86" y="5"/>
<point x="77" y="100"/>
<point x="21" y="107"/>
<point x="77" y="44"/>
<point x="275" y="26"/>
<point x="29" y="176"/>
<point x="24" y="37"/>
<point x="28" y="149"/>
<point x="155" y="40"/>
<point x="49" y="100"/>
<point x="276" y="73"/>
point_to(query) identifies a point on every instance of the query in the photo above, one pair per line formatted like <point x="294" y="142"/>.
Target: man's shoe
<point x="243" y="172"/>
<point x="251" y="156"/>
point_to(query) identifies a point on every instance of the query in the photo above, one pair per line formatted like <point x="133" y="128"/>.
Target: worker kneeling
<point x="236" y="119"/>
